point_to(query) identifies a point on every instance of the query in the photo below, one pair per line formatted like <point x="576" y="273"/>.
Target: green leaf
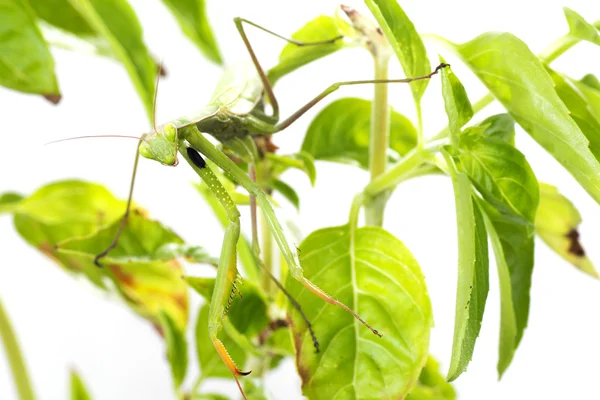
<point x="78" y="389"/>
<point x="293" y="56"/>
<point x="9" y="202"/>
<point x="286" y="191"/>
<point x="210" y="396"/>
<point x="149" y="284"/>
<point x="556" y="222"/>
<point x="191" y="15"/>
<point x="405" y="41"/>
<point x="457" y="104"/>
<point x="501" y="174"/>
<point x="374" y="274"/>
<point x="581" y="108"/>
<point x="432" y="385"/>
<point x="340" y="132"/>
<point x="63" y="210"/>
<point x="473" y="280"/>
<point x="176" y="348"/>
<point x="303" y="161"/>
<point x="116" y="22"/>
<point x="517" y="79"/>
<point x="512" y="240"/>
<point x="580" y="28"/>
<point x="248" y="314"/>
<point x="500" y="126"/>
<point x="26" y="64"/>
<point x="211" y="364"/>
<point x="62" y="14"/>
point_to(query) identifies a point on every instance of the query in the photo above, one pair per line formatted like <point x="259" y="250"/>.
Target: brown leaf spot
<point x="48" y="250"/>
<point x="575" y="247"/>
<point x="53" y="98"/>
<point x="181" y="300"/>
<point x="125" y="278"/>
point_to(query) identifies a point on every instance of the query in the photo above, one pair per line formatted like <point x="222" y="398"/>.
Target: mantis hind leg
<point x="261" y="72"/>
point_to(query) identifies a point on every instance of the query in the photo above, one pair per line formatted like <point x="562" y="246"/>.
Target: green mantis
<point x="235" y="116"/>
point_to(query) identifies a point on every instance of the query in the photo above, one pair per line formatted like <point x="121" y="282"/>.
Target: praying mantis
<point x="235" y="116"/>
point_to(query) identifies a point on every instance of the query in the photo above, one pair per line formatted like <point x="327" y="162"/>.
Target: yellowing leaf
<point x="372" y="272"/>
<point x="556" y="222"/>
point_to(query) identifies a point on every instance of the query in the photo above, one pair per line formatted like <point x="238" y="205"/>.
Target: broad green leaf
<point x="293" y="56"/>
<point x="247" y="313"/>
<point x="191" y="15"/>
<point x="517" y="79"/>
<point x="26" y="64"/>
<point x="501" y="174"/>
<point x="63" y="210"/>
<point x="473" y="280"/>
<point x="374" y="274"/>
<point x="456" y="102"/>
<point x="405" y="41"/>
<point x="512" y="240"/>
<point x="556" y="222"/>
<point x="580" y="108"/>
<point x="500" y="126"/>
<point x="303" y="161"/>
<point x="580" y="28"/>
<point x="244" y="250"/>
<point x="9" y="202"/>
<point x="341" y="131"/>
<point x="117" y="23"/>
<point x="432" y="385"/>
<point x="211" y="364"/>
<point x="78" y="389"/>
<point x="286" y="191"/>
<point x="149" y="284"/>
<point x="62" y="14"/>
<point x="176" y="348"/>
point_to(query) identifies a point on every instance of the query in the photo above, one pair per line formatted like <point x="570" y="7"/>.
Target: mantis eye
<point x="144" y="150"/>
<point x="170" y="132"/>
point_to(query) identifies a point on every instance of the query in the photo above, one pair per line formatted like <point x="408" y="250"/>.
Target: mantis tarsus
<point x="234" y="115"/>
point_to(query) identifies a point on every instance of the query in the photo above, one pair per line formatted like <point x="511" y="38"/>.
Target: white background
<point x="63" y="323"/>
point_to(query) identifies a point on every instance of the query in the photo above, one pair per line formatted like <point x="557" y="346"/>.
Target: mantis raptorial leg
<point x="227" y="270"/>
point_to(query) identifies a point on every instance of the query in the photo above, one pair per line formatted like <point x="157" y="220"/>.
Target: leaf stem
<point x="379" y="138"/>
<point x="403" y="169"/>
<point x="15" y="358"/>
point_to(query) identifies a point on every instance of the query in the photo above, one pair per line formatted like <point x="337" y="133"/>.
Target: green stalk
<point x="379" y="139"/>
<point x="15" y="358"/>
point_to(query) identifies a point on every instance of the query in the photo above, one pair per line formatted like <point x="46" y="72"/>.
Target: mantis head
<point x="161" y="146"/>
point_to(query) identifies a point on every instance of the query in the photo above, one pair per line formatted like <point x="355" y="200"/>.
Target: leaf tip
<point x="53" y="98"/>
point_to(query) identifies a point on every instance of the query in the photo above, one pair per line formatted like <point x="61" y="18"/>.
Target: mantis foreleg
<point x="227" y="270"/>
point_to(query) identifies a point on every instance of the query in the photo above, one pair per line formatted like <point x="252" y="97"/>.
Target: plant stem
<point x="15" y="358"/>
<point x="379" y="139"/>
<point x="267" y="254"/>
